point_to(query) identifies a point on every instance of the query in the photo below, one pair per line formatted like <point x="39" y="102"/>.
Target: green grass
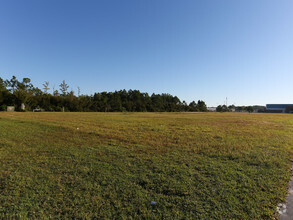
<point x="112" y="165"/>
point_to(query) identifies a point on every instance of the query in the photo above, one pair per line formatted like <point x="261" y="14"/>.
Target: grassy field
<point x="112" y="165"/>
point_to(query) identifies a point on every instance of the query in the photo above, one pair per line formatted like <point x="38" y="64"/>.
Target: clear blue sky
<point x="204" y="49"/>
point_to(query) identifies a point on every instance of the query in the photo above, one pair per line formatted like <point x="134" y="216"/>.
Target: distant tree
<point x="12" y="83"/>
<point x="240" y="108"/>
<point x="193" y="107"/>
<point x="71" y="95"/>
<point x="231" y="107"/>
<point x="157" y="103"/>
<point x="63" y="88"/>
<point x="53" y="89"/>
<point x="37" y="92"/>
<point x="219" y="108"/>
<point x="46" y="87"/>
<point x="222" y="108"/>
<point x="56" y="93"/>
<point x="23" y="91"/>
<point x="249" y="109"/>
<point x="78" y="91"/>
<point x="2" y="88"/>
<point x="2" y="84"/>
<point x="201" y="105"/>
<point x="26" y="83"/>
<point x="184" y="106"/>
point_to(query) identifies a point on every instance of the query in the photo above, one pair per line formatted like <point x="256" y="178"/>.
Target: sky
<point x="194" y="49"/>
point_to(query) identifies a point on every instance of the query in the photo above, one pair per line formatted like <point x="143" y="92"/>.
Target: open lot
<point x="112" y="165"/>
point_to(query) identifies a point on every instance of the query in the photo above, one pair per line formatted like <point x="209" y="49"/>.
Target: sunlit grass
<point x="112" y="165"/>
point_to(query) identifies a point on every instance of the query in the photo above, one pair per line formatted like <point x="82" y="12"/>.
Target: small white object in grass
<point x="153" y="203"/>
<point x="77" y="128"/>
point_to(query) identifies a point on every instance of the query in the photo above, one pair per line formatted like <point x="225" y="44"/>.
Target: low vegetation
<point x="113" y="165"/>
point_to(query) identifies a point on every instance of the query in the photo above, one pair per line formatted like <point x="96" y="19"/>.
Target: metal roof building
<point x="279" y="108"/>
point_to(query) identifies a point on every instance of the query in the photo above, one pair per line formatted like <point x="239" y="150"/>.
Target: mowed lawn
<point x="113" y="165"/>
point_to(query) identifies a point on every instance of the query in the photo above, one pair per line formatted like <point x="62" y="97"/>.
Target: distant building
<point x="10" y="108"/>
<point x="279" y="108"/>
<point x="212" y="109"/>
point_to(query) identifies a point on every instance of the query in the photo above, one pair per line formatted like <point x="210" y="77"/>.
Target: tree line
<point x="230" y="108"/>
<point x="22" y="93"/>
